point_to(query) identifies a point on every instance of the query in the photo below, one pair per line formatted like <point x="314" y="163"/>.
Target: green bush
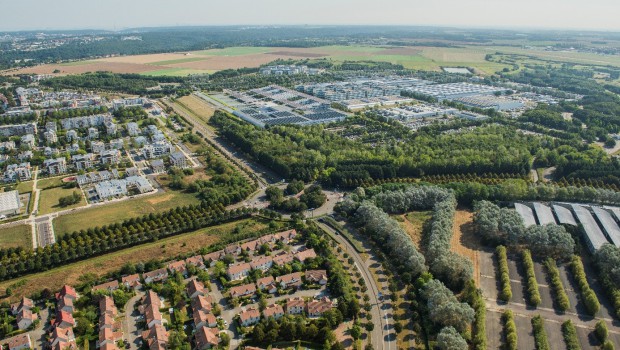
<point x="587" y="294"/>
<point x="608" y="345"/>
<point x="540" y="335"/>
<point x="601" y="331"/>
<point x="510" y="330"/>
<point x="570" y="336"/>
<point x="474" y="297"/>
<point x="559" y="292"/>
<point x="504" y="277"/>
<point x="532" y="284"/>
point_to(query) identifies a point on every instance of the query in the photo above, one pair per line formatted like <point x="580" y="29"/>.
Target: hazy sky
<point x="121" y="14"/>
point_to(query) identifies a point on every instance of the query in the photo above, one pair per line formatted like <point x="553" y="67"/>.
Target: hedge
<point x="570" y="336"/>
<point x="601" y="331"/>
<point x="608" y="345"/>
<point x="474" y="297"/>
<point x="504" y="277"/>
<point x="510" y="330"/>
<point x="587" y="294"/>
<point x="532" y="285"/>
<point x="561" y="298"/>
<point x="540" y="335"/>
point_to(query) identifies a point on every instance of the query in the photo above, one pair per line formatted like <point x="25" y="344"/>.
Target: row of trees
<point x="74" y="112"/>
<point x="561" y="298"/>
<point x="18" y="119"/>
<point x="505" y="226"/>
<point x="87" y="243"/>
<point x="587" y="294"/>
<point x="533" y="293"/>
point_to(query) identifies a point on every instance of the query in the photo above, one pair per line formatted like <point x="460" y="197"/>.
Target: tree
<point x="450" y="339"/>
<point x="274" y="194"/>
<point x="356" y="331"/>
<point x="294" y="187"/>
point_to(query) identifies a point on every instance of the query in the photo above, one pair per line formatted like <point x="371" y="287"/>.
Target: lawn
<point x="235" y="51"/>
<point x="180" y="60"/>
<point x="48" y="202"/>
<point x="167" y="248"/>
<point x="119" y="211"/>
<point x="24" y="187"/>
<point x="49" y="183"/>
<point x="16" y="236"/>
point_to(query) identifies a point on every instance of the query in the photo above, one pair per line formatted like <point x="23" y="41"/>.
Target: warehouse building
<point x="9" y="203"/>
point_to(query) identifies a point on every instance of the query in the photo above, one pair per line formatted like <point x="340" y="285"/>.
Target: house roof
<point x="243" y="289"/>
<point x="204" y="316"/>
<point x="106" y="305"/>
<point x="151" y="298"/>
<point x="206" y="336"/>
<point x="155" y="273"/>
<point x="195" y="260"/>
<point x="177" y="266"/>
<point x="289" y="234"/>
<point x="290" y="278"/>
<point x="66" y="290"/>
<point x="217" y="255"/>
<point x="201" y="302"/>
<point x="195" y="286"/>
<point x="151" y="313"/>
<point x="305" y="254"/>
<point x="272" y="310"/>
<point x="63" y="316"/>
<point x="316" y="275"/>
<point x="18" y="341"/>
<point x="107" y="285"/>
<point x="237" y="268"/>
<point x="26" y="314"/>
<point x="256" y="262"/>
<point x="156" y="333"/>
<point x="282" y="259"/>
<point x="249" y="314"/>
<point x="295" y="302"/>
<point x="319" y="306"/>
<point x="131" y="280"/>
<point x="265" y="281"/>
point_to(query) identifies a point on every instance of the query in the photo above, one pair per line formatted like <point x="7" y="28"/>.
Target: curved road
<point x="381" y="312"/>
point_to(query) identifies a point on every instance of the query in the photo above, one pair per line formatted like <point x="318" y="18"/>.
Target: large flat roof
<point x="526" y="214"/>
<point x="544" y="214"/>
<point x="9" y="201"/>
<point x="609" y="225"/>
<point x="593" y="232"/>
<point x="564" y="215"/>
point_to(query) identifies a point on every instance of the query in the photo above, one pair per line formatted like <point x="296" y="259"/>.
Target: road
<point x="132" y="332"/>
<point x="382" y="337"/>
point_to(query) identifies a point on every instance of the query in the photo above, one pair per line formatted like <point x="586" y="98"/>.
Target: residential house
<point x="274" y="310"/>
<point x="316" y="308"/>
<point x="196" y="261"/>
<point x="286" y="236"/>
<point x="25" y="303"/>
<point x="83" y="161"/>
<point x="97" y="147"/>
<point x="133" y="129"/>
<point x="117" y="144"/>
<point x="61" y="337"/>
<point x="262" y="263"/>
<point x="51" y="126"/>
<point x="249" y="317"/>
<point x="72" y="135"/>
<point x="201" y="302"/>
<point x="155" y="276"/>
<point x="50" y="136"/>
<point x="157" y="166"/>
<point x="157" y="149"/>
<point x="243" y="290"/>
<point x="156" y="337"/>
<point x="25" y="318"/>
<point x="19" y="342"/>
<point x="177" y="266"/>
<point x="67" y="291"/>
<point x="109" y="286"/>
<point x="28" y="140"/>
<point x="317" y="277"/>
<point x="139" y="183"/>
<point x="305" y="254"/>
<point x="152" y="316"/>
<point x="131" y="281"/>
<point x="177" y="159"/>
<point x="16" y="172"/>
<point x="206" y="338"/>
<point x="203" y="318"/>
<point x="212" y="258"/>
<point x="295" y="306"/>
<point x="93" y="133"/>
<point x="111" y="128"/>
<point x="64" y="319"/>
<point x="110" y="156"/>
<point x="268" y="284"/>
<point x="65" y="304"/>
<point x="111" y="188"/>
<point x="55" y="166"/>
<point x="283" y="258"/>
<point x="238" y="271"/>
<point x="290" y="280"/>
<point x="232" y="249"/>
<point x="133" y="171"/>
<point x="195" y="288"/>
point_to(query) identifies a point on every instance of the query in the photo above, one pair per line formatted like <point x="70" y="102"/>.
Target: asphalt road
<point x="381" y="311"/>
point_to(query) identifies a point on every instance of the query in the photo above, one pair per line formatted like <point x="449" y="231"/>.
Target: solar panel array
<point x="526" y="214"/>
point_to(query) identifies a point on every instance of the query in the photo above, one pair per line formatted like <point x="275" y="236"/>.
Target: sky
<point x="123" y="14"/>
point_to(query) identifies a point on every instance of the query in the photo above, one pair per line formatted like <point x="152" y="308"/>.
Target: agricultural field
<point x="208" y="61"/>
<point x="196" y="106"/>
<point x="48" y="201"/>
<point x="166" y="248"/>
<point x="110" y="213"/>
<point x="16" y="236"/>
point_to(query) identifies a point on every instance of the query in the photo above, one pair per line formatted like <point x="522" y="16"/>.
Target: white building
<point x="97" y="146"/>
<point x="83" y="161"/>
<point x="141" y="183"/>
<point x="133" y="129"/>
<point x="157" y="149"/>
<point x="55" y="166"/>
<point x="72" y="135"/>
<point x="16" y="172"/>
<point x="178" y="160"/>
<point x="111" y="156"/>
<point x="111" y="128"/>
<point x="9" y="203"/>
<point x="28" y="140"/>
<point x="93" y="133"/>
<point x="111" y="188"/>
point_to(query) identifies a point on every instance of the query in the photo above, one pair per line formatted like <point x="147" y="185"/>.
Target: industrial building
<point x="453" y="91"/>
<point x="361" y="88"/>
<point x="9" y="203"/>
<point x="490" y="102"/>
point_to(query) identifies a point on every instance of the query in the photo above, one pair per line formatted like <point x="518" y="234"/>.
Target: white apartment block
<point x="55" y="166"/>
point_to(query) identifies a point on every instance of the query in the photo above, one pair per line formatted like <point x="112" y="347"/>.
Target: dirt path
<point x="464" y="241"/>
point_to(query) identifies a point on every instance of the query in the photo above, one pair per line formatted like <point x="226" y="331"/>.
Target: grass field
<point x="176" y="72"/>
<point x="179" y="60"/>
<point x="119" y="211"/>
<point x="24" y="187"/>
<point x="196" y="106"/>
<point x="16" y="236"/>
<point x="48" y="203"/>
<point x="413" y="223"/>
<point x="48" y="183"/>
<point x="167" y="248"/>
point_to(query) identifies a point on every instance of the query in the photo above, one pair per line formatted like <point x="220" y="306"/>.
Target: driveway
<point x="131" y="329"/>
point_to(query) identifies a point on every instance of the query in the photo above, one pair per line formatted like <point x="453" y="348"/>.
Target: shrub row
<point x="504" y="277"/>
<point x="587" y="294"/>
<point x="510" y="330"/>
<point x="474" y="297"/>
<point x="561" y="298"/>
<point x="570" y="336"/>
<point x="540" y="335"/>
<point x="601" y="331"/>
<point x="532" y="285"/>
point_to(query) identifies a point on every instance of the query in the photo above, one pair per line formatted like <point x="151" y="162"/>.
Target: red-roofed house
<point x="156" y="337"/>
<point x="238" y="271"/>
<point x="284" y="258"/>
<point x="25" y="318"/>
<point x="65" y="304"/>
<point x="196" y="261"/>
<point x="131" y="281"/>
<point x="62" y="335"/>
<point x="155" y="276"/>
<point x="274" y="310"/>
<point x="206" y="338"/>
<point x="316" y="308"/>
<point x="262" y="263"/>
<point x="24" y="303"/>
<point x="267" y="283"/>
<point x="305" y="254"/>
<point x="68" y="291"/>
<point x="195" y="288"/>
<point x="200" y="302"/>
<point x="290" y="280"/>
<point x="202" y="318"/>
<point x="286" y="236"/>
<point x="19" y="342"/>
<point x="249" y="317"/>
<point x="64" y="320"/>
<point x="212" y="258"/>
<point x="295" y="306"/>
<point x="243" y="290"/>
<point x="178" y="266"/>
<point x="317" y="276"/>
<point x="109" y="286"/>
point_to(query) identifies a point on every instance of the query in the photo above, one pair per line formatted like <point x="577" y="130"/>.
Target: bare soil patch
<point x="464" y="241"/>
<point x="232" y="62"/>
<point x="298" y="54"/>
<point x="114" y="67"/>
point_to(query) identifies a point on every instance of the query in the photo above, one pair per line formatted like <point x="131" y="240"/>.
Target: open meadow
<point x="16" y="236"/>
